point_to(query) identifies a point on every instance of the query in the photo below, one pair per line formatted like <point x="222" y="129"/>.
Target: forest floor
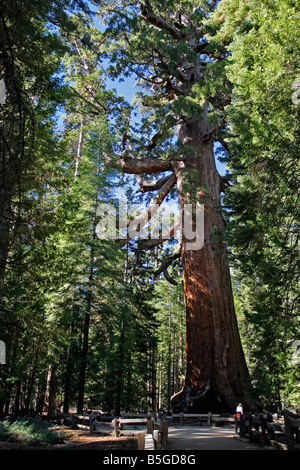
<point x="83" y="440"/>
<point x="78" y="440"/>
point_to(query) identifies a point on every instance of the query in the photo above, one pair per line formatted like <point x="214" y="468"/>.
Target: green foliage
<point x="171" y="363"/>
<point x="263" y="202"/>
<point x="29" y="432"/>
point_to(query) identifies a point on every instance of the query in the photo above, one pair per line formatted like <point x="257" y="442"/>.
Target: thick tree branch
<point x="169" y="278"/>
<point x="206" y="137"/>
<point x="140" y="221"/>
<point x="212" y="5"/>
<point x="225" y="182"/>
<point x="133" y="165"/>
<point x="165" y="236"/>
<point x="166" y="263"/>
<point x="149" y="185"/>
<point x="155" y="202"/>
<point x="222" y="142"/>
<point x="158" y="21"/>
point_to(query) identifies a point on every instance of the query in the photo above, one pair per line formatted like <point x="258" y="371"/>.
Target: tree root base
<point x="206" y="400"/>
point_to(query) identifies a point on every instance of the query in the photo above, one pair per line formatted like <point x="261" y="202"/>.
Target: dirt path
<point x="206" y="438"/>
<point x="83" y="440"/>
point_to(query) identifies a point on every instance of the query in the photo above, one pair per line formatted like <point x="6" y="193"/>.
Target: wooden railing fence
<point x="281" y="432"/>
<point x="151" y="430"/>
<point x="285" y="434"/>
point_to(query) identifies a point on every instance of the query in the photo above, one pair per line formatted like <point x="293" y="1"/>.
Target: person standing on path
<point x="239" y="410"/>
<point x="239" y="419"/>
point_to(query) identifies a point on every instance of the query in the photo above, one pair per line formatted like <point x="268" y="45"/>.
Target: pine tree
<point x="29" y="69"/>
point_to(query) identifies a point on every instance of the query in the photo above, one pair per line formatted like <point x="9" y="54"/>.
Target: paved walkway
<point x="206" y="438"/>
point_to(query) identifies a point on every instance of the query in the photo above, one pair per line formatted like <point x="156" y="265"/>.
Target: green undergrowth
<point x="30" y="432"/>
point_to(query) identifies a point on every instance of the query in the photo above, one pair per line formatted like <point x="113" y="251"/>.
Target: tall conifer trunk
<point x="217" y="375"/>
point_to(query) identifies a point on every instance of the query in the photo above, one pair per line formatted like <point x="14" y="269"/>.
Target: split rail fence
<point x="280" y="431"/>
<point x="151" y="430"/>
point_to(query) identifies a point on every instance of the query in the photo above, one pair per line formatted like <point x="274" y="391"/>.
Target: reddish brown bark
<point x="135" y="166"/>
<point x="217" y="376"/>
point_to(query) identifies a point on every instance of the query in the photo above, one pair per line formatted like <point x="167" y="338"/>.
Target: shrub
<point x="30" y="431"/>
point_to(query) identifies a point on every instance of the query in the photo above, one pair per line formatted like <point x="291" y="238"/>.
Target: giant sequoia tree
<point x="182" y="103"/>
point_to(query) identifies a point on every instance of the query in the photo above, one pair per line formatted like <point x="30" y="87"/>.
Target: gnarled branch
<point x="165" y="236"/>
<point x="143" y="219"/>
<point x="206" y="137"/>
<point x="133" y="165"/>
<point x="149" y="185"/>
<point x="166" y="263"/>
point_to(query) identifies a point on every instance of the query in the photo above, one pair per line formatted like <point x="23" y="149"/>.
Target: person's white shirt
<point x="239" y="409"/>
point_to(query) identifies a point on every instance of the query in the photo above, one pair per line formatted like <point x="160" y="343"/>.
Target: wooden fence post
<point x="150" y="425"/>
<point x="263" y="428"/>
<point x="149" y="442"/>
<point x="73" y="421"/>
<point x="209" y="418"/>
<point x="164" y="444"/>
<point x="236" y="424"/>
<point x="181" y="417"/>
<point x="288" y="430"/>
<point x="242" y="420"/>
<point x="141" y="441"/>
<point x="250" y="428"/>
<point x="157" y="439"/>
<point x="115" y="427"/>
<point x="92" y="420"/>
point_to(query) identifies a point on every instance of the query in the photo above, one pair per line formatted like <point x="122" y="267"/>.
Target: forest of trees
<point x="98" y="324"/>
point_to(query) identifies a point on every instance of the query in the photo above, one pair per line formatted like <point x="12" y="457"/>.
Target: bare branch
<point x="146" y="79"/>
<point x="169" y="278"/>
<point x="166" y="263"/>
<point x="150" y="185"/>
<point x="102" y="107"/>
<point x="133" y="165"/>
<point x="141" y="220"/>
<point x="165" y="236"/>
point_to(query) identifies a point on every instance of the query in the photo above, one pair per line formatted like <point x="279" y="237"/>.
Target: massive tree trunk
<point x="217" y="377"/>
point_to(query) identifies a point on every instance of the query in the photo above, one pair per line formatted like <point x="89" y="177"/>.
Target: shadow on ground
<point x="207" y="438"/>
